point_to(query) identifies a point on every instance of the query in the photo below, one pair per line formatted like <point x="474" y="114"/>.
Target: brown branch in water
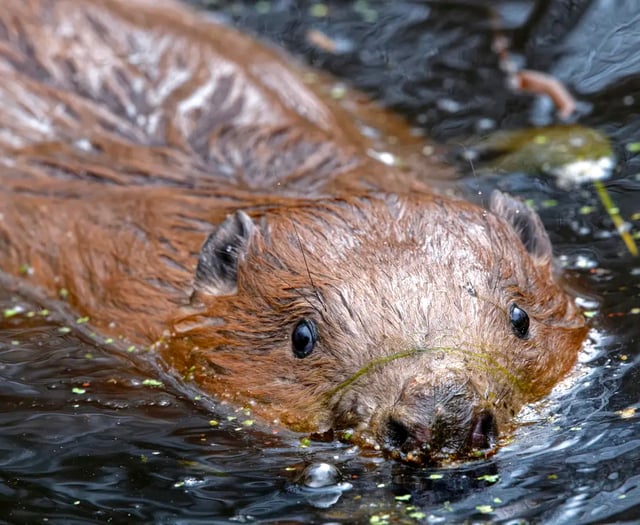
<point x="544" y="84"/>
<point x="531" y="81"/>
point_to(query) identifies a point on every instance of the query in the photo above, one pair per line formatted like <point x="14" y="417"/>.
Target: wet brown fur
<point x="128" y="130"/>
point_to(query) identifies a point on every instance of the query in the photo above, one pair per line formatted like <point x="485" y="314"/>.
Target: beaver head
<point x="421" y="323"/>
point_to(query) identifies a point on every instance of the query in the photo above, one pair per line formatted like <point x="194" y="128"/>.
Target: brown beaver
<point x="189" y="191"/>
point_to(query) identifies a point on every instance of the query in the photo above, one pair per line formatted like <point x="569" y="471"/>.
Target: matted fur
<point x="130" y="129"/>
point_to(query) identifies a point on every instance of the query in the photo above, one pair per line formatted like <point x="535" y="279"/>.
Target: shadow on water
<point x="90" y="434"/>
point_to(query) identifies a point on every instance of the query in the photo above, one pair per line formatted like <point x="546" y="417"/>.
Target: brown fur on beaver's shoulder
<point x="184" y="186"/>
<point x="139" y="94"/>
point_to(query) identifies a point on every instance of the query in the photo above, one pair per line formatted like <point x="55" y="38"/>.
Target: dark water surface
<point x="92" y="434"/>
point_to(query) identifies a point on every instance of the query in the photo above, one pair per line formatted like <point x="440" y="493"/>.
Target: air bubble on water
<point x="319" y="475"/>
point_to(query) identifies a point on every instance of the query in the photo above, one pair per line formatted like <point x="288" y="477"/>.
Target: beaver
<point x="190" y="193"/>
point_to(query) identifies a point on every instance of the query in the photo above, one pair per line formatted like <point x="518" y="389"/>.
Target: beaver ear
<point x="526" y="223"/>
<point x="217" y="269"/>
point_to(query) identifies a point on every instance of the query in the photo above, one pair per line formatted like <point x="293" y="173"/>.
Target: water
<point x="91" y="434"/>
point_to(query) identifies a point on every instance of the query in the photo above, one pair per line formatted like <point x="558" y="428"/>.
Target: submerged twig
<point x="618" y="221"/>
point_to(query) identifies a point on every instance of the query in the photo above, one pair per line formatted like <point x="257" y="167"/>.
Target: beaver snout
<point x="430" y="423"/>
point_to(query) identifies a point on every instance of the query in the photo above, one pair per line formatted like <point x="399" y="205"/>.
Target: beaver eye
<point x="519" y="321"/>
<point x="304" y="338"/>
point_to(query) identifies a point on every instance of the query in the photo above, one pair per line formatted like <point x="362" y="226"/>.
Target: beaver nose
<point x="433" y="423"/>
<point x="484" y="431"/>
<point x="424" y="441"/>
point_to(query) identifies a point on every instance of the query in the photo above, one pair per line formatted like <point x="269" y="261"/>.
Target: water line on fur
<point x="417" y="351"/>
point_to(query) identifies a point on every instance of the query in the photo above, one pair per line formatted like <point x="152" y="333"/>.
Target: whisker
<point x="306" y="265"/>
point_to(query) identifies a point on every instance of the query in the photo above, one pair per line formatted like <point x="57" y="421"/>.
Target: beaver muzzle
<point x="429" y="423"/>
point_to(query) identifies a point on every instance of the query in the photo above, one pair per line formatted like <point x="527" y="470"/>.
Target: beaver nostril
<point x="484" y="431"/>
<point x="397" y="433"/>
